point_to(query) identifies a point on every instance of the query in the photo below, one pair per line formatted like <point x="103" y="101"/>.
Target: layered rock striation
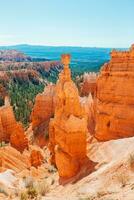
<point x="10" y="158"/>
<point x="115" y="97"/>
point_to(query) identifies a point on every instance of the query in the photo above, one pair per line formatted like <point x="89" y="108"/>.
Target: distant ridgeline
<point x="84" y="59"/>
<point x="17" y="56"/>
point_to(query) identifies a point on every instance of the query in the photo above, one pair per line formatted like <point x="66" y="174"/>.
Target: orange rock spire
<point x="115" y="97"/>
<point x="68" y="129"/>
<point x="10" y="130"/>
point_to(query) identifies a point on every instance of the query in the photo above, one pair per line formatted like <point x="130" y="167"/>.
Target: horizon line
<point x="71" y="46"/>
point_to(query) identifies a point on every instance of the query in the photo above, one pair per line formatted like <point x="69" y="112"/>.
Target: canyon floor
<point x="113" y="178"/>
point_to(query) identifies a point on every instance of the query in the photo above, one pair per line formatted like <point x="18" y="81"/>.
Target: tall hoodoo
<point x="115" y="94"/>
<point x="68" y="128"/>
<point x="11" y="130"/>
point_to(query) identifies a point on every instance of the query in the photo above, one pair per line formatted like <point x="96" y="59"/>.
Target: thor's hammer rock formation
<point x="68" y="128"/>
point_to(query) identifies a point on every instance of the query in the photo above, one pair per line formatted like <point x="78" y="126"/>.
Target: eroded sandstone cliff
<point x="42" y="112"/>
<point x="115" y="96"/>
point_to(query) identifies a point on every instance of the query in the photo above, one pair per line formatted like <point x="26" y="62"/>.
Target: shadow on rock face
<point x="87" y="168"/>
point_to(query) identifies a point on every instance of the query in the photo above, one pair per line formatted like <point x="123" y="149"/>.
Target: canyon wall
<point x="115" y="97"/>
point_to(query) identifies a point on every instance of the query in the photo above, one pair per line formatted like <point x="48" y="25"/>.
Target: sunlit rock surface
<point x="68" y="130"/>
<point x="115" y="96"/>
<point x="42" y="112"/>
<point x="18" y="139"/>
<point x="11" y="130"/>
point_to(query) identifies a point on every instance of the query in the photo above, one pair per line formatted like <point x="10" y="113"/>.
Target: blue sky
<point x="100" y="23"/>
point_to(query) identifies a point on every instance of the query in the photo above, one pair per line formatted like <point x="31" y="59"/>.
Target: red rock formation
<point x="89" y="84"/>
<point x="27" y="71"/>
<point x="18" y="139"/>
<point x="10" y="158"/>
<point x="8" y="122"/>
<point x="68" y="129"/>
<point x="11" y="131"/>
<point x="42" y="112"/>
<point x="115" y="96"/>
<point x="36" y="158"/>
<point x="1" y="131"/>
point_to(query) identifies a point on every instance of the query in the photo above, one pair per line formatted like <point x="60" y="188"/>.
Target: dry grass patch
<point x="29" y="194"/>
<point x="24" y="195"/>
<point x="87" y="198"/>
<point x="101" y="194"/>
<point x="33" y="189"/>
<point x="42" y="188"/>
<point x="28" y="181"/>
<point x="123" y="179"/>
<point x="131" y="161"/>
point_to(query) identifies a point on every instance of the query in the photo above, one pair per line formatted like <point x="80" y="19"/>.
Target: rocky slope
<point x="113" y="178"/>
